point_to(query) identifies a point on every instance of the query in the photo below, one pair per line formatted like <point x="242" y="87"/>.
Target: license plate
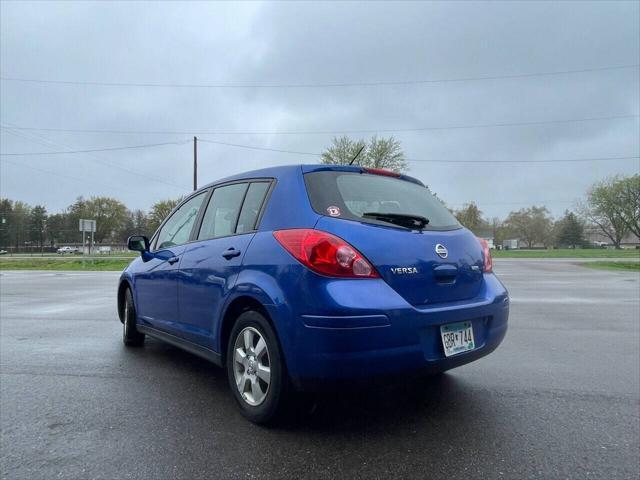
<point x="457" y="338"/>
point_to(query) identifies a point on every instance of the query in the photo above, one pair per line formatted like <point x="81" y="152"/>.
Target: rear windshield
<point x="349" y="195"/>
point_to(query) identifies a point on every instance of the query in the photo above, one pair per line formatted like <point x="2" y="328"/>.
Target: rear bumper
<point x="395" y="340"/>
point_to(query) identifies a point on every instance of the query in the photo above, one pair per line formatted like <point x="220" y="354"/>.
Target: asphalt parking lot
<point x="559" y="399"/>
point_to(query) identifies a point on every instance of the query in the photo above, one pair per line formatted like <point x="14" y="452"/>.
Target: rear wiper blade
<point x="402" y="219"/>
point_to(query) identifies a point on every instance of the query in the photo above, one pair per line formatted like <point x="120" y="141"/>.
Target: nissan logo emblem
<point x="442" y="251"/>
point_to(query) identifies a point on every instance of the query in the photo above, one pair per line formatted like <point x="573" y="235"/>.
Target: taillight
<point x="381" y="171"/>
<point x="325" y="253"/>
<point x="486" y="253"/>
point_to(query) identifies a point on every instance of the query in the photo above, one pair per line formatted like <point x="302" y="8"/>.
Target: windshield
<point x="366" y="198"/>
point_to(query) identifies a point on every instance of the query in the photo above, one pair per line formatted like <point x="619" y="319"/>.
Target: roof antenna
<point x="356" y="155"/>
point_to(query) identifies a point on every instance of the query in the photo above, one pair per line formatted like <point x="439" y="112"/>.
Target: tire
<point x="131" y="337"/>
<point x="252" y="351"/>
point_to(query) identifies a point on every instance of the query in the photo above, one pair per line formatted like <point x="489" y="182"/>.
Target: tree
<point x="570" y="231"/>
<point x="627" y="197"/>
<point x="19" y="223"/>
<point x="6" y="214"/>
<point x="532" y="225"/>
<point x="58" y="229"/>
<point x="140" y="222"/>
<point x="37" y="225"/>
<point x="136" y="224"/>
<point x="110" y="215"/>
<point x="15" y="223"/>
<point x="385" y="153"/>
<point x="342" y="151"/>
<point x="378" y="153"/>
<point x="471" y="217"/>
<point x="127" y="229"/>
<point x="498" y="230"/>
<point x="605" y="208"/>
<point x="159" y="212"/>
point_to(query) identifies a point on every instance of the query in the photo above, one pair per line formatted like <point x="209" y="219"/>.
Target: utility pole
<point x="195" y="163"/>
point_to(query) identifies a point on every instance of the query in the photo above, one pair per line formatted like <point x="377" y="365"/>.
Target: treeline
<point x="22" y="224"/>
<point x="532" y="227"/>
<point x="611" y="208"/>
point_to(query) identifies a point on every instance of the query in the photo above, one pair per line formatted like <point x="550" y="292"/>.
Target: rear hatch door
<point x="408" y="261"/>
<point x="439" y="262"/>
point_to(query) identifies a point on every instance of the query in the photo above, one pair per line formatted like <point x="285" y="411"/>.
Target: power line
<point x="557" y="160"/>
<point x="433" y="160"/>
<point x="315" y="85"/>
<point x="104" y="149"/>
<point x="315" y="154"/>
<point x="45" y="141"/>
<point x="251" y="147"/>
<point x="330" y="132"/>
<point x="58" y="174"/>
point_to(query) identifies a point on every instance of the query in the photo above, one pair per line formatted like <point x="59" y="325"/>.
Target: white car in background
<point x="63" y="250"/>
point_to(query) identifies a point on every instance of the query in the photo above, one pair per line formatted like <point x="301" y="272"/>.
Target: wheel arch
<point x="122" y="288"/>
<point x="236" y="307"/>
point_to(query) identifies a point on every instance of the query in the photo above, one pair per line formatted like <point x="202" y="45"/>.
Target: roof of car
<point x="274" y="172"/>
<point x="281" y="170"/>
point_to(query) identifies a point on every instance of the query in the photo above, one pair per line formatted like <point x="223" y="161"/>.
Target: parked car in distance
<point x="3" y="252"/>
<point x="292" y="277"/>
<point x="63" y="250"/>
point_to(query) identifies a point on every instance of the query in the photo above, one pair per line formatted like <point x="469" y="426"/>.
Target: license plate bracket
<point x="457" y="338"/>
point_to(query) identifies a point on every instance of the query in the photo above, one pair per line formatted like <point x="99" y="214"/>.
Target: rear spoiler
<point x="357" y="169"/>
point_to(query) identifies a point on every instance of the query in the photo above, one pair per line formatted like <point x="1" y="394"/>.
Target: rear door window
<point x="251" y="207"/>
<point x="349" y="195"/>
<point x="222" y="213"/>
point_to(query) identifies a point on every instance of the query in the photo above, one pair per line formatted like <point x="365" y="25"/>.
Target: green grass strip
<point x="568" y="253"/>
<point x="71" y="264"/>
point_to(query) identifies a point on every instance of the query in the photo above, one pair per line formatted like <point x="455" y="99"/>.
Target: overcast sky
<point x="312" y="43"/>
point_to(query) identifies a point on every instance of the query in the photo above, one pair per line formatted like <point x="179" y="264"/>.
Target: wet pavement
<point x="559" y="398"/>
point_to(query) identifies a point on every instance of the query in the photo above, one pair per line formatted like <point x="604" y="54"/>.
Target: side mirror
<point x="138" y="243"/>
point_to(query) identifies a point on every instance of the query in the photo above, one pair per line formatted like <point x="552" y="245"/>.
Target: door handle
<point x="230" y="253"/>
<point x="173" y="260"/>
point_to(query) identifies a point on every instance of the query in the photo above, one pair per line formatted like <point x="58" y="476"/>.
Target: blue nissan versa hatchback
<point x="291" y="276"/>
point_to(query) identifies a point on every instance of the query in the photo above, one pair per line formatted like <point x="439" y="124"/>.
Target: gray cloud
<point x="319" y="43"/>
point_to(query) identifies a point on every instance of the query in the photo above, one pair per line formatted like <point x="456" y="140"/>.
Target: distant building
<point x="510" y="244"/>
<point x="593" y="235"/>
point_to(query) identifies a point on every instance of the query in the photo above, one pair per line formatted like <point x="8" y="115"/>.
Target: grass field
<point x="568" y="253"/>
<point x="55" y="255"/>
<point x="89" y="264"/>
<point x="80" y="263"/>
<point x="621" y="266"/>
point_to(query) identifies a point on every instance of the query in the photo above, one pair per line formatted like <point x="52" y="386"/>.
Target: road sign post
<point x="87" y="226"/>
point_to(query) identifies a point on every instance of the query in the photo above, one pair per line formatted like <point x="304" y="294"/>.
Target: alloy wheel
<point x="251" y="366"/>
